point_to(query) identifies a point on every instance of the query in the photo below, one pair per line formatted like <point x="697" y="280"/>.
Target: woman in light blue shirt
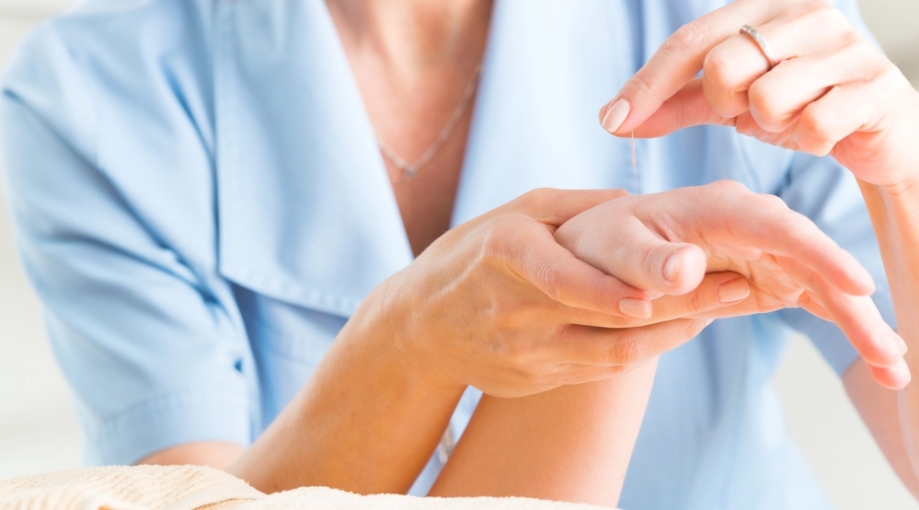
<point x="201" y="202"/>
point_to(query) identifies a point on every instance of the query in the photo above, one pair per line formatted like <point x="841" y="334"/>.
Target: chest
<point x="422" y="130"/>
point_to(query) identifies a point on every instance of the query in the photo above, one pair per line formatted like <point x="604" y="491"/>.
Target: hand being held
<point x="827" y="90"/>
<point x="498" y="304"/>
<point x="675" y="237"/>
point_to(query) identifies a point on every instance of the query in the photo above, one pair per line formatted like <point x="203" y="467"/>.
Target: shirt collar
<point x="306" y="210"/>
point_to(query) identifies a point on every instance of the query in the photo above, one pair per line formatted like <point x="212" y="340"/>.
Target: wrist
<point x="392" y="330"/>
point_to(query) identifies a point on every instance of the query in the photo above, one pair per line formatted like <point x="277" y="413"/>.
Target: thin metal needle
<point x="634" y="164"/>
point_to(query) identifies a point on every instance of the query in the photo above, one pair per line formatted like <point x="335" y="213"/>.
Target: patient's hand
<point x="665" y="244"/>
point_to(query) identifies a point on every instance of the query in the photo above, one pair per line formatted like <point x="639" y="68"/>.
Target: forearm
<point x="568" y="444"/>
<point x="364" y="423"/>
<point x="895" y="216"/>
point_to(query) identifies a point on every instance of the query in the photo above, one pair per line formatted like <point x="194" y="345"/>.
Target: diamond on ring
<point x="762" y="43"/>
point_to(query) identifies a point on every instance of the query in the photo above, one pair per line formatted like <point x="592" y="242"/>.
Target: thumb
<point x="673" y="269"/>
<point x="628" y="250"/>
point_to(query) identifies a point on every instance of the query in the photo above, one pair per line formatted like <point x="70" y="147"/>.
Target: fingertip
<point x="895" y="378"/>
<point x="887" y="351"/>
<point x="684" y="269"/>
<point x="613" y="115"/>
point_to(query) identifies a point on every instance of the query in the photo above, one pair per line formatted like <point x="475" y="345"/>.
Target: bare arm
<point x="880" y="410"/>
<point x="569" y="444"/>
<point x="893" y="417"/>
<point x="215" y="454"/>
<point x="833" y="95"/>
<point x="370" y="417"/>
<point x="469" y="311"/>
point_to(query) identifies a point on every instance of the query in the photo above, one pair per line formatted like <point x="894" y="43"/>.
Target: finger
<point x="778" y="98"/>
<point x="766" y="222"/>
<point x="677" y="62"/>
<point x="688" y="107"/>
<point x="861" y="321"/>
<point x="857" y="316"/>
<point x="755" y="304"/>
<point x="640" y="257"/>
<point x="732" y="67"/>
<point x="895" y="378"/>
<point x="717" y="291"/>
<point x="844" y="110"/>
<point x="556" y="206"/>
<point x="534" y="255"/>
<point x="812" y="305"/>
<point x="623" y="347"/>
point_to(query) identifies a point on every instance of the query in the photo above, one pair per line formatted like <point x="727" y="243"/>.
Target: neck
<point x="413" y="34"/>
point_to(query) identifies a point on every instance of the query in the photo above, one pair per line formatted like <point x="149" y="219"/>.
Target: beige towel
<point x="128" y="488"/>
<point x="197" y="488"/>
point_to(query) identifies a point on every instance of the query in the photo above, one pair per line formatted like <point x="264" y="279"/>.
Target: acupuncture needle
<point x="634" y="165"/>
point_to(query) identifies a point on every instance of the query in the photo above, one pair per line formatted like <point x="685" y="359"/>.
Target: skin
<point x="418" y="350"/>
<point x="559" y="335"/>
<point x="831" y="93"/>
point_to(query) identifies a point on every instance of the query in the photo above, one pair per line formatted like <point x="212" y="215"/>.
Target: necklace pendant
<point x="410" y="172"/>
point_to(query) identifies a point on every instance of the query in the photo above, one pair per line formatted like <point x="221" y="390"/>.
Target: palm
<point x="772" y="287"/>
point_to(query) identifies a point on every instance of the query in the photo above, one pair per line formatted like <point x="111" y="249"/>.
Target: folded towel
<point x="200" y="488"/>
<point x="127" y="488"/>
<point x="320" y="498"/>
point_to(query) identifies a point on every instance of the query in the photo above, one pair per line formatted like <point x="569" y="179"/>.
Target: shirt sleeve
<point x="151" y="346"/>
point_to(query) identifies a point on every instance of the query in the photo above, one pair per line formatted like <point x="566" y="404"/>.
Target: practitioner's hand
<point x="830" y="92"/>
<point x="496" y="303"/>
<point x="788" y="261"/>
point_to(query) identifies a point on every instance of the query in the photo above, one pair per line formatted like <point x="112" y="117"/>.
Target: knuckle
<point x="728" y="186"/>
<point x="497" y="239"/>
<point x="501" y="313"/>
<point x="771" y="202"/>
<point x="857" y="45"/>
<point x="625" y="351"/>
<point x="812" y="125"/>
<point x="641" y="84"/>
<point x="798" y="222"/>
<point x="766" y="103"/>
<point x="652" y="259"/>
<point x="810" y="139"/>
<point x="614" y="370"/>
<point x="618" y="193"/>
<point x="826" y="14"/>
<point x="513" y="353"/>
<point x="718" y="68"/>
<point x="691" y="328"/>
<point x="698" y="301"/>
<point x="549" y="281"/>
<point x="539" y="199"/>
<point x="689" y="38"/>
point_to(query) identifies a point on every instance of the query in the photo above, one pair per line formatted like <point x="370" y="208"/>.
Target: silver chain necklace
<point x="410" y="170"/>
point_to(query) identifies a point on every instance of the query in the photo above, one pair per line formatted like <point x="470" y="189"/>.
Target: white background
<point x="38" y="430"/>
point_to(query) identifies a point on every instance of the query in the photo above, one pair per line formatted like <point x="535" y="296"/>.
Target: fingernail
<point x="902" y="348"/>
<point x="614" y="114"/>
<point x="902" y="369"/>
<point x="637" y="308"/>
<point x="672" y="266"/>
<point x="734" y="290"/>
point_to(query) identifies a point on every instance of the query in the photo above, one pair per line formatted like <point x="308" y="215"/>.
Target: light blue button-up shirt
<point x="200" y="203"/>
